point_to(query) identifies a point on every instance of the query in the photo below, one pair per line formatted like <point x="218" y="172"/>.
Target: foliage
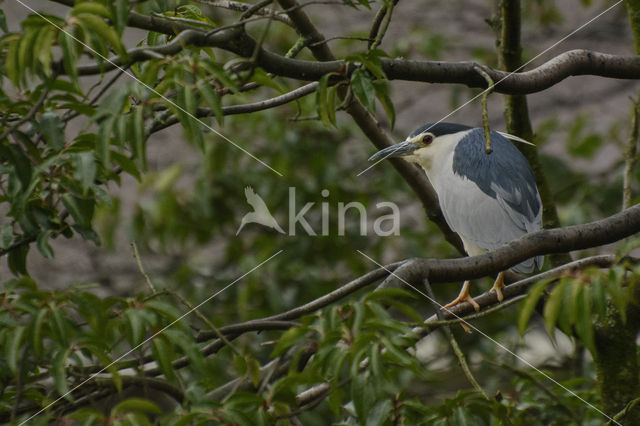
<point x="84" y="112"/>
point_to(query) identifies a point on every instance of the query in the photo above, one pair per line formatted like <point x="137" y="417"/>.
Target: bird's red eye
<point x="427" y="139"/>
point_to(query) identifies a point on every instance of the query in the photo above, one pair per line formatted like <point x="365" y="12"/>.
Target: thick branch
<point x="558" y="240"/>
<point x="567" y="64"/>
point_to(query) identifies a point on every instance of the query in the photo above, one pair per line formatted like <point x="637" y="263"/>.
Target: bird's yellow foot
<point x="464" y="296"/>
<point x="498" y="286"/>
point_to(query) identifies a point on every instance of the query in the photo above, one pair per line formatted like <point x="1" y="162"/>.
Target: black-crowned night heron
<point x="488" y="199"/>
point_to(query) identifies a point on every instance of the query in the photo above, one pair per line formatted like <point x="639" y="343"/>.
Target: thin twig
<point x="385" y="25"/>
<point x="254" y="9"/>
<point x="625" y="410"/>
<point x="163" y="123"/>
<point x="375" y="26"/>
<point x="136" y="254"/>
<point x="243" y="7"/>
<point x="185" y="20"/>
<point x="453" y="342"/>
<point x="204" y="319"/>
<point x="326" y="40"/>
<point x="32" y="112"/>
<point x="485" y="112"/>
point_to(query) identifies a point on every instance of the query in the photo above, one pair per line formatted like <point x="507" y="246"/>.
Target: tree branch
<point x="236" y="40"/>
<point x="246" y="108"/>
<point x="557" y="240"/>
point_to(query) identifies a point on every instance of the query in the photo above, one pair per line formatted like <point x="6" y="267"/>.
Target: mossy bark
<point x="633" y="10"/>
<point x="616" y="361"/>
<point x="616" y="352"/>
<point x="516" y="112"/>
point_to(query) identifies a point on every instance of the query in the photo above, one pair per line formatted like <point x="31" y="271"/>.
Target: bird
<point x="260" y="213"/>
<point x="488" y="199"/>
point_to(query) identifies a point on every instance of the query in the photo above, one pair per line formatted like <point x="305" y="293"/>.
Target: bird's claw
<point x="498" y="286"/>
<point x="458" y="300"/>
<point x="464" y="296"/>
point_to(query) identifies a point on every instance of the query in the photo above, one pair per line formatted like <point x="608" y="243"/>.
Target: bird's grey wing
<point x="490" y="199"/>
<point x="478" y="217"/>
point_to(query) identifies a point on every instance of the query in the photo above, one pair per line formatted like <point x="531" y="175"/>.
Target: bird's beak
<point x="398" y="150"/>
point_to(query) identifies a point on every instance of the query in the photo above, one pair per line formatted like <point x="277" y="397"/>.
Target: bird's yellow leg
<point x="464" y="296"/>
<point x="498" y="286"/>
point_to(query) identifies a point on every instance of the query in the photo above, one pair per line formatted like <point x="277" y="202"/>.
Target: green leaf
<point x="58" y="372"/>
<point x="574" y="301"/>
<point x="107" y="363"/>
<point x="13" y="348"/>
<point x="43" y="244"/>
<point x="253" y="367"/>
<point x="81" y="210"/>
<point x="65" y="86"/>
<point x="88" y="416"/>
<point x="261" y="77"/>
<point x="69" y="54"/>
<point x="138" y="139"/>
<point x="44" y="45"/>
<point x="168" y="311"/>
<point x="221" y="74"/>
<point x="322" y="105"/>
<point x="135" y="405"/>
<point x="240" y="365"/>
<point x="126" y="164"/>
<point x="6" y="236"/>
<point x="379" y="414"/>
<point x="164" y="355"/>
<point x="364" y="90"/>
<point x="529" y="304"/>
<point x="11" y="61"/>
<point x="584" y="325"/>
<point x="332" y="98"/>
<point x="85" y="169"/>
<point x="121" y="15"/>
<point x="104" y="31"/>
<point x="287" y="340"/>
<point x="553" y="306"/>
<point x="36" y="332"/>
<point x="25" y="52"/>
<point x="91" y="7"/>
<point x="213" y="100"/>
<point x="3" y="22"/>
<point x="135" y="326"/>
<point x="18" y="259"/>
<point x="52" y="130"/>
<point x="382" y="93"/>
<point x="618" y="297"/>
<point x="189" y="346"/>
<point x="58" y="325"/>
<point x="20" y="162"/>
